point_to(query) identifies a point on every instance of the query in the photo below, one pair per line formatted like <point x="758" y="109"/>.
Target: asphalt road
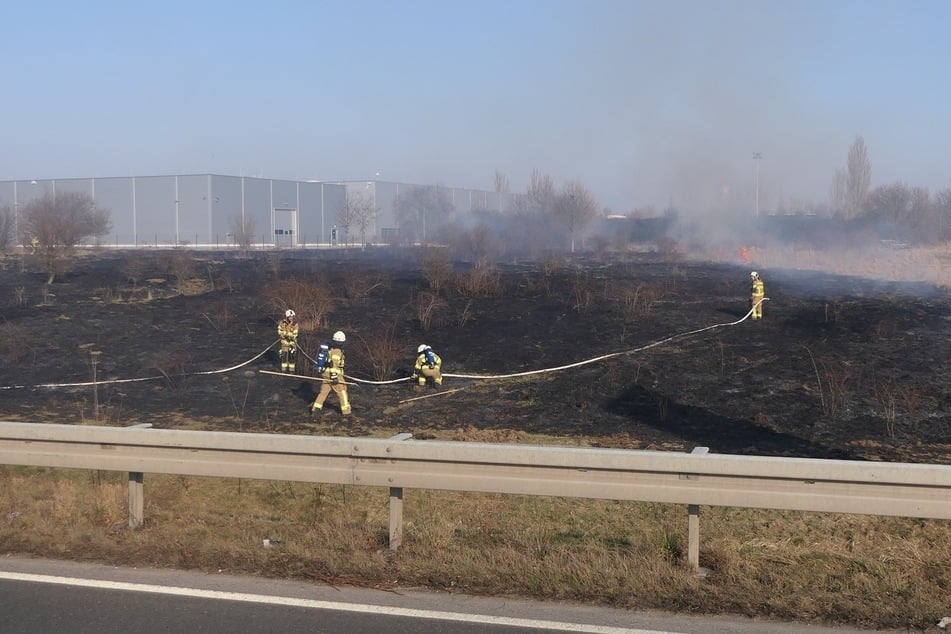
<point x="42" y="596"/>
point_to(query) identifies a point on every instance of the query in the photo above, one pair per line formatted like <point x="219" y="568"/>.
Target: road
<point x="41" y="596"/>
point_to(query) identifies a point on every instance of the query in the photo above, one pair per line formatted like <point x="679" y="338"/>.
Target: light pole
<point x="757" y="156"/>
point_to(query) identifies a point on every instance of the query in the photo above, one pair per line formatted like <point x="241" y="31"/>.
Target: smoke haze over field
<point x="646" y="103"/>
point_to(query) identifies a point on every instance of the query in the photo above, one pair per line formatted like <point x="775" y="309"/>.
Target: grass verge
<point x="860" y="570"/>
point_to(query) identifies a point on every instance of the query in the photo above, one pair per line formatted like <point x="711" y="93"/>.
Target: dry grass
<point x="918" y="264"/>
<point x="868" y="571"/>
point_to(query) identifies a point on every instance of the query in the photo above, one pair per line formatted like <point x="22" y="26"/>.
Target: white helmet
<point x="754" y="274"/>
<point x="289" y="313"/>
<point x="422" y="347"/>
<point x="339" y="337"/>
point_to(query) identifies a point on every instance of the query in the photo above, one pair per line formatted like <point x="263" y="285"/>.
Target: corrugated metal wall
<point x="202" y="209"/>
<point x="197" y="209"/>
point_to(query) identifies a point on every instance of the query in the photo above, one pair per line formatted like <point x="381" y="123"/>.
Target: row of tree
<point x="896" y="210"/>
<point x="544" y="217"/>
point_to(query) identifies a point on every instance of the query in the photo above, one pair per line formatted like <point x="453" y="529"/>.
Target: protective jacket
<point x="428" y="366"/>
<point x="287" y="331"/>
<point x="335" y="363"/>
<point x="427" y="359"/>
<point x="758" y="288"/>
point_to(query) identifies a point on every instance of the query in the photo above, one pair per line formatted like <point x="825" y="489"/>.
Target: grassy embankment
<point x="867" y="571"/>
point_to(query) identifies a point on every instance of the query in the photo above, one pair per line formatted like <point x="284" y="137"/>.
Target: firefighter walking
<point x="333" y="377"/>
<point x="428" y="366"/>
<point x="757" y="295"/>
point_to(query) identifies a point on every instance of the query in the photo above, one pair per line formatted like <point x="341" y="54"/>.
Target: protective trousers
<point x="340" y="389"/>
<point x="288" y="359"/>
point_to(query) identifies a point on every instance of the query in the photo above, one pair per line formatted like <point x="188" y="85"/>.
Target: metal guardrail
<point x="697" y="479"/>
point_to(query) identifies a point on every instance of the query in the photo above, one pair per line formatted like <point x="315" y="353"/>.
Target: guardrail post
<point x="137" y="491"/>
<point x="693" y="523"/>
<point x="396" y="507"/>
<point x="136" y="499"/>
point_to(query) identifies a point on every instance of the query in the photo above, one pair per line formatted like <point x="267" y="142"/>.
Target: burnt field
<point x="840" y="367"/>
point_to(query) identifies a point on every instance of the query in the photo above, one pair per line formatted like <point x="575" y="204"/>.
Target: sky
<point x="647" y="103"/>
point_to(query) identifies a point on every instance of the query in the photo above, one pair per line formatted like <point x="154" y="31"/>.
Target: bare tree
<point x="242" y="231"/>
<point x="942" y="208"/>
<point x="61" y="221"/>
<point x="501" y="182"/>
<point x="541" y="192"/>
<point x="574" y="209"/>
<point x="909" y="211"/>
<point x="891" y="203"/>
<point x="839" y="191"/>
<point x="358" y="212"/>
<point x="417" y="207"/>
<point x="859" y="180"/>
<point x="7" y="223"/>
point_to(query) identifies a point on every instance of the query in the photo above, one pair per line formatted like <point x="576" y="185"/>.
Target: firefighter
<point x="332" y="376"/>
<point x="287" y="332"/>
<point x="428" y="365"/>
<point x="757" y="295"/>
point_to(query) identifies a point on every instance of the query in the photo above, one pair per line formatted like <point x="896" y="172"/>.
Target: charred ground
<point x="840" y="367"/>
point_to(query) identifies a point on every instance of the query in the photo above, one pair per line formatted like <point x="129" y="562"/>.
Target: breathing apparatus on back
<point x="322" y="357"/>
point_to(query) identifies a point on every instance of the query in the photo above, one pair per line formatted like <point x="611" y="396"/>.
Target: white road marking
<point x="326" y="605"/>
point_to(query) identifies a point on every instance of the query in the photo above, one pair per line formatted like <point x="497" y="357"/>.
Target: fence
<point x="695" y="479"/>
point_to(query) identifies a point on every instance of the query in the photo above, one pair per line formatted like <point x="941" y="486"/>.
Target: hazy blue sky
<point x="644" y="102"/>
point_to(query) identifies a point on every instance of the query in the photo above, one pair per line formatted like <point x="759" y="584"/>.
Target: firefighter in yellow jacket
<point x="333" y="377"/>
<point x="428" y="365"/>
<point x="287" y="332"/>
<point x="757" y="295"/>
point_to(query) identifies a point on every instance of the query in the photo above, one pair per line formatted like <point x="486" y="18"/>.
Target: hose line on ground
<point x="579" y="363"/>
<point x="400" y="380"/>
<point x="144" y="378"/>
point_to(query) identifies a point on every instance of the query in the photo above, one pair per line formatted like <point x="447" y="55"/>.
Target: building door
<point x="285" y="227"/>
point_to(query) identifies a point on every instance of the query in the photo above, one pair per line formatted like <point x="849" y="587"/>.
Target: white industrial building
<point x="202" y="209"/>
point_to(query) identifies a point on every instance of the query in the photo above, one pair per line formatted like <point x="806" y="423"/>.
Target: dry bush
<point x="482" y="282"/>
<point x="14" y="342"/>
<point x="220" y="317"/>
<point x="173" y="364"/>
<point x="527" y="285"/>
<point x="429" y="307"/>
<point x="181" y="267"/>
<point x="887" y="398"/>
<point x="272" y="262"/>
<point x="225" y="282"/>
<point x="19" y="296"/>
<point x="832" y="379"/>
<point x="911" y="398"/>
<point x="49" y="297"/>
<point x="551" y="266"/>
<point x="635" y="299"/>
<point x="581" y="297"/>
<point x="385" y="350"/>
<point x="134" y="267"/>
<point x="884" y="328"/>
<point x="435" y="267"/>
<point x="311" y="300"/>
<point x="359" y="284"/>
<point x="667" y="247"/>
<point x="465" y="314"/>
<point x="107" y="295"/>
<point x="163" y="261"/>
